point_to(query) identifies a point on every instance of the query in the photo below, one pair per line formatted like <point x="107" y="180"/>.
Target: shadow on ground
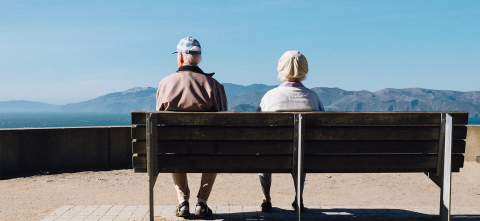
<point x="60" y="171"/>
<point x="333" y="214"/>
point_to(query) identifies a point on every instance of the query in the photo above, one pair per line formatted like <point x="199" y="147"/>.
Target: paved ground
<point x="127" y="213"/>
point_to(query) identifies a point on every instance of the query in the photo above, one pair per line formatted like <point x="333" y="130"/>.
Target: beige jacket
<point x="190" y="89"/>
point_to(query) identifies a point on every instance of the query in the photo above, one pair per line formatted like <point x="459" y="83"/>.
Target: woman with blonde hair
<point x="291" y="95"/>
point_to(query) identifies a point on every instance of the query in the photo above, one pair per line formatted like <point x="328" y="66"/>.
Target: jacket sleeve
<point x="221" y="98"/>
<point x="159" y="98"/>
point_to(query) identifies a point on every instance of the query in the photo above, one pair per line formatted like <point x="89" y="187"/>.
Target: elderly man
<point x="190" y="89"/>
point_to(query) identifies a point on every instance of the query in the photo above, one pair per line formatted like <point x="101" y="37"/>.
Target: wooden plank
<point x="218" y="147"/>
<point x="217" y="133"/>
<point x="459" y="132"/>
<point x="138" y="117"/>
<point x="140" y="170"/>
<point x="313" y="118"/>
<point x="380" y="118"/>
<point x="380" y="133"/>
<point x="139" y="161"/>
<point x="138" y="132"/>
<point x="379" y="170"/>
<point x="218" y="118"/>
<point x="139" y="146"/>
<point x="373" y="119"/>
<point x="224" y="133"/>
<point x="459" y="117"/>
<point x="283" y="164"/>
<point x="221" y="163"/>
<point x="285" y="147"/>
<point x="376" y="170"/>
<point x="372" y="133"/>
<point x="286" y="133"/>
<point x="371" y="163"/>
<point x="369" y="146"/>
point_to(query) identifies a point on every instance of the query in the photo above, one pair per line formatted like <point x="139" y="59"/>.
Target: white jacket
<point x="290" y="96"/>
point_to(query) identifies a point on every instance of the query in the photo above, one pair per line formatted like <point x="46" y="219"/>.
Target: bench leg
<point x="298" y="154"/>
<point x="443" y="176"/>
<point x="446" y="175"/>
<point x="152" y="157"/>
<point x="151" y="181"/>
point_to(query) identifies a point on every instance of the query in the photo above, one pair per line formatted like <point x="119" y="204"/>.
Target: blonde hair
<point x="283" y="78"/>
<point x="292" y="66"/>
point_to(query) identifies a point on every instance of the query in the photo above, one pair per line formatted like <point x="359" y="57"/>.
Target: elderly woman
<point x="291" y="95"/>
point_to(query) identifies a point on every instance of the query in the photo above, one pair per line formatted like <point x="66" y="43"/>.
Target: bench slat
<point x="380" y="118"/>
<point x="380" y="133"/>
<point x="369" y="162"/>
<point x="217" y="118"/>
<point x="286" y="133"/>
<point x="393" y="146"/>
<point x="229" y="163"/>
<point x="285" y="147"/>
<point x="217" y="133"/>
<point x="311" y="118"/>
<point x="218" y="147"/>
<point x="283" y="164"/>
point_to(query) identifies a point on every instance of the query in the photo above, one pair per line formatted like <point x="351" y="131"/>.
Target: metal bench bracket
<point x="298" y="154"/>
<point x="152" y="156"/>
<point x="443" y="176"/>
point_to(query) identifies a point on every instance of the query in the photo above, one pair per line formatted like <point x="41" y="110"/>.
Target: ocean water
<point x="44" y="119"/>
<point x="475" y="120"/>
<point x="60" y="119"/>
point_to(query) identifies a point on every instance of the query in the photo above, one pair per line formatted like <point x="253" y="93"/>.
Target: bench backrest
<point x="250" y="142"/>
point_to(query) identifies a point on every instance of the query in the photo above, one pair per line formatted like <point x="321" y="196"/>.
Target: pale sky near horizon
<point x="61" y="52"/>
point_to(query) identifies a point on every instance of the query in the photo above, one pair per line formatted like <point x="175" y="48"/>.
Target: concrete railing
<point x="25" y="151"/>
<point x="472" y="149"/>
<point x="81" y="148"/>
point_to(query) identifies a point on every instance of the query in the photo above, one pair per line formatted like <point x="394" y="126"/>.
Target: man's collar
<point x="195" y="69"/>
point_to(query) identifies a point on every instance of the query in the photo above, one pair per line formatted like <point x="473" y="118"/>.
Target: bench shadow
<point x="336" y="214"/>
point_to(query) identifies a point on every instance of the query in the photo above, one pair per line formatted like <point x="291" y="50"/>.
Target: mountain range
<point x="247" y="98"/>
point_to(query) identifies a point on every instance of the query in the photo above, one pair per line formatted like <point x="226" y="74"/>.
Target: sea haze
<point x="62" y="119"/>
<point x="59" y="119"/>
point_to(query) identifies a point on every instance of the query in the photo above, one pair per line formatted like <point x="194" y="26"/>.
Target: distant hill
<point x="409" y="99"/>
<point x="234" y="89"/>
<point x="247" y="98"/>
<point x="27" y="106"/>
<point x="139" y="98"/>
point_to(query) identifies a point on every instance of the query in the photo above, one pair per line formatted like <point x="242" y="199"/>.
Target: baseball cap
<point x="186" y="45"/>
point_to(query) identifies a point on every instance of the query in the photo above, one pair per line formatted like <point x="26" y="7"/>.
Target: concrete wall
<point x="52" y="149"/>
<point x="472" y="149"/>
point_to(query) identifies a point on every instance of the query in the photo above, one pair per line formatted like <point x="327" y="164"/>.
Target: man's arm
<point x="222" y="103"/>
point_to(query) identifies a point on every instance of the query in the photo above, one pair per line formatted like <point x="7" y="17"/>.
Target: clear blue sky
<point x="62" y="52"/>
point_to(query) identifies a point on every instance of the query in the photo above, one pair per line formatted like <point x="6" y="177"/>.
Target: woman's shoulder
<point x="273" y="91"/>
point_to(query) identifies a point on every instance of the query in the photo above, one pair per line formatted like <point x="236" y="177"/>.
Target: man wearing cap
<point x="190" y="89"/>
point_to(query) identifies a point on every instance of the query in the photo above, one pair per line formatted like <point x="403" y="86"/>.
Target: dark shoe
<point x="202" y="210"/>
<point x="183" y="210"/>
<point x="294" y="206"/>
<point x="266" y="207"/>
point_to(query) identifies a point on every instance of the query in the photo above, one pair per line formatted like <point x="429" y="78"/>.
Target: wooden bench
<point x="308" y="142"/>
